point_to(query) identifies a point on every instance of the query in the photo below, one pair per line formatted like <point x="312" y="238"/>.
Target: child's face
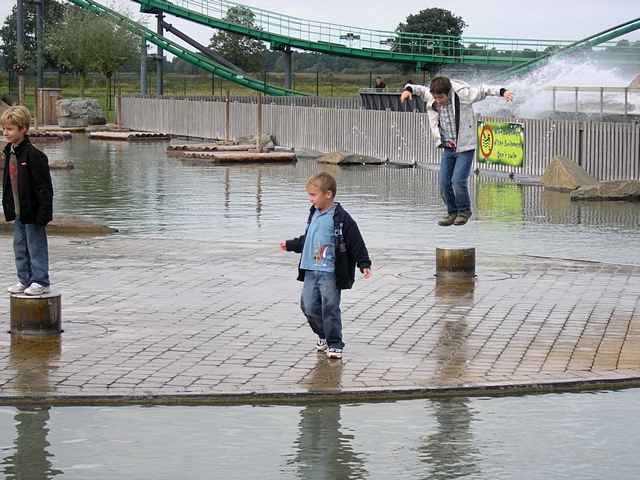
<point x="12" y="133"/>
<point x="318" y="198"/>
<point x="441" y="99"/>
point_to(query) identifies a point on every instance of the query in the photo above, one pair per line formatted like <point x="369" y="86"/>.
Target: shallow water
<point x="142" y="192"/>
<point x="568" y="436"/>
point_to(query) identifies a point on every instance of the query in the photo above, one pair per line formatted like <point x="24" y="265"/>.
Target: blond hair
<point x="17" y="115"/>
<point x="324" y="181"/>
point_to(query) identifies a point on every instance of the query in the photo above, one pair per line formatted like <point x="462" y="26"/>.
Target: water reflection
<point x="31" y="359"/>
<point x="143" y="192"/>
<point x="324" y="446"/>
<point x="457" y="296"/>
<point x="449" y="452"/>
<point x="31" y="459"/>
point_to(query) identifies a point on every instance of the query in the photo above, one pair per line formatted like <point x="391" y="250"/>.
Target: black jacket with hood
<point x="350" y="248"/>
<point x="35" y="190"/>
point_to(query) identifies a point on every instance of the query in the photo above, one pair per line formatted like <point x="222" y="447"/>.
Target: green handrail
<point x="283" y="30"/>
<point x="183" y="53"/>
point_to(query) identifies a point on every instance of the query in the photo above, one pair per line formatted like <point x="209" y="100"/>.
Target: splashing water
<point x="532" y="101"/>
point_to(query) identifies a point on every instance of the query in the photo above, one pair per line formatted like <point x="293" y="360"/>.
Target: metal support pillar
<point x="288" y="69"/>
<point x="40" y="43"/>
<point x="160" y="60"/>
<point x="143" y="67"/>
<point x="20" y="49"/>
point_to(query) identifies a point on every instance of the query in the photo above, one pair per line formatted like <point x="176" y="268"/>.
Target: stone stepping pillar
<point x="39" y="315"/>
<point x="455" y="263"/>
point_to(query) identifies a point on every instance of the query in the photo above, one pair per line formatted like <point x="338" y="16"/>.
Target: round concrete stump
<point x="455" y="263"/>
<point x="39" y="315"/>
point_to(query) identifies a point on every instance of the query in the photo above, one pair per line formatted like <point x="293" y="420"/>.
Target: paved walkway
<point x="213" y="321"/>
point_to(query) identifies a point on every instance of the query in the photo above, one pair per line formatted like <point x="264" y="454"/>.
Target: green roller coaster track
<point x="588" y="42"/>
<point x="283" y="31"/>
<point x="181" y="52"/>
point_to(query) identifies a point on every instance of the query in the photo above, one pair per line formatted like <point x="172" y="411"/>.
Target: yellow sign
<point x="500" y="142"/>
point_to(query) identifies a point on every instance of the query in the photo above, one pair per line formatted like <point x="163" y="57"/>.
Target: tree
<point x="429" y="22"/>
<point x="53" y="14"/>
<point x="240" y="50"/>
<point x="114" y="46"/>
<point x="85" y="42"/>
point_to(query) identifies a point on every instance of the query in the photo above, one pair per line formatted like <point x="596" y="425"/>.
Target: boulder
<point x="61" y="165"/>
<point x="79" y="112"/>
<point x="564" y="175"/>
<point x="267" y="140"/>
<point x="628" y="190"/>
<point x="68" y="224"/>
<point x="344" y="158"/>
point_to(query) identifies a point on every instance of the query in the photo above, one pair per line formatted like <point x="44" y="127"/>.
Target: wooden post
<point x="259" y="125"/>
<point x="38" y="315"/>
<point x="455" y="263"/>
<point x="38" y="116"/>
<point x="119" y="108"/>
<point x="226" y="117"/>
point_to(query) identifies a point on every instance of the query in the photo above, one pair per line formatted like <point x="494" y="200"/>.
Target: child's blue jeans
<point x="32" y="253"/>
<point x="455" y="168"/>
<point x="320" y="302"/>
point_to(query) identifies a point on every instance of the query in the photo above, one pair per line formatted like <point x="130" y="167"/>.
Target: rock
<point x="343" y="158"/>
<point x="61" y="165"/>
<point x="79" y="112"/>
<point x="563" y="174"/>
<point x="68" y="224"/>
<point x="628" y="190"/>
<point x="267" y="140"/>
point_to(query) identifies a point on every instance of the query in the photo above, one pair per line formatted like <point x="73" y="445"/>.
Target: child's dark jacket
<point x="34" y="185"/>
<point x="350" y="248"/>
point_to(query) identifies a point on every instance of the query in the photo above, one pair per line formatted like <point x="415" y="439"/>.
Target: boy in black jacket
<point x="331" y="248"/>
<point x="27" y="198"/>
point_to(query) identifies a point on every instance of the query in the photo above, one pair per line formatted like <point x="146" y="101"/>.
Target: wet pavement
<point x="156" y="318"/>
<point x="193" y="300"/>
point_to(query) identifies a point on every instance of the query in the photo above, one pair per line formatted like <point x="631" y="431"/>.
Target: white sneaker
<point x="17" y="288"/>
<point x="321" y="344"/>
<point x="36" y="289"/>
<point x="334" y="352"/>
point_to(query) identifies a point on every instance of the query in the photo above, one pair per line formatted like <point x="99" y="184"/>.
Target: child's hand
<point x="367" y="273"/>
<point x="283" y="246"/>
<point x="405" y="95"/>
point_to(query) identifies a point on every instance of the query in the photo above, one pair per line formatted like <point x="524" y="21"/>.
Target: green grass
<point x="177" y="84"/>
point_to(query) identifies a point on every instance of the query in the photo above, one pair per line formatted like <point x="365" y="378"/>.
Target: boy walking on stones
<point x="449" y="107"/>
<point x="27" y="198"/>
<point x="331" y="247"/>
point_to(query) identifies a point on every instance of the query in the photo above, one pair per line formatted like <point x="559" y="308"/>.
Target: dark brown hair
<point x="440" y="86"/>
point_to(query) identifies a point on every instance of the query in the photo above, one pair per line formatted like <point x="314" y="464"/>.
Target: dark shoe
<point x="462" y="218"/>
<point x="448" y="220"/>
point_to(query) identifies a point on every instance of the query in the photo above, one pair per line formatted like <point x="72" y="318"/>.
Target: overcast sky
<point x="545" y="19"/>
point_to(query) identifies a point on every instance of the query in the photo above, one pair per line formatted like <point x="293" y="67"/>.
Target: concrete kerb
<point x="348" y="396"/>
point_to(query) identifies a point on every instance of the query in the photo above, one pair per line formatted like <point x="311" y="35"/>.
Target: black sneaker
<point x="448" y="220"/>
<point x="462" y="218"/>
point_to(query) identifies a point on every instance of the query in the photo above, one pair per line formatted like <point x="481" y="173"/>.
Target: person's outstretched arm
<point x="476" y="94"/>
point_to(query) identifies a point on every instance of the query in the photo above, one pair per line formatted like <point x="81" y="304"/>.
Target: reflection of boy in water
<point x="331" y="247"/>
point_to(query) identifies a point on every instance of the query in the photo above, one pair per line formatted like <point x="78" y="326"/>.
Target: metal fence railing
<point x="607" y="150"/>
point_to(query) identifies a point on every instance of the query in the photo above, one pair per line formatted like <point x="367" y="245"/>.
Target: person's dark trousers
<point x="320" y="302"/>
<point x="32" y="253"/>
<point x="455" y="168"/>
